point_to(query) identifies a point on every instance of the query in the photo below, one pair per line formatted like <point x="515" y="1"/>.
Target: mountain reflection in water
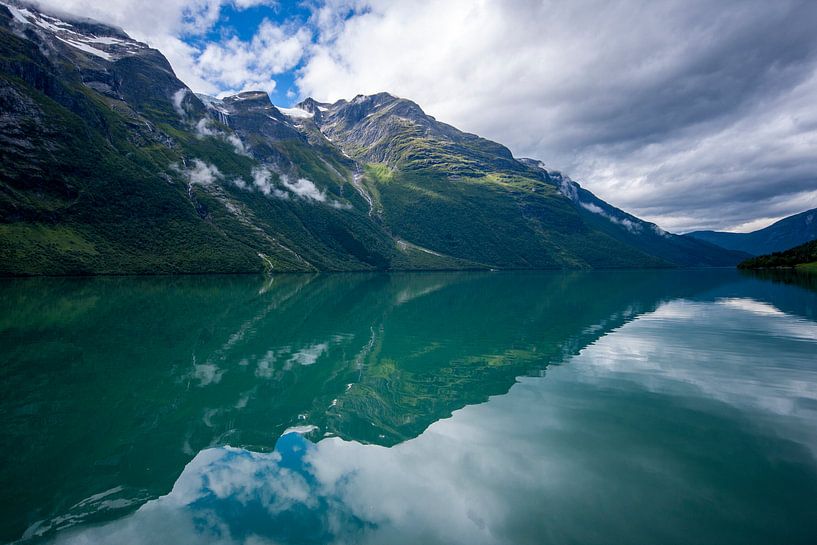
<point x="681" y="396"/>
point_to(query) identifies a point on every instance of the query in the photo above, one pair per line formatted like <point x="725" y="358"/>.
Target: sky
<point x="692" y="114"/>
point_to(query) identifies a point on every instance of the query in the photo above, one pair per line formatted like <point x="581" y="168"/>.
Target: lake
<point x="652" y="407"/>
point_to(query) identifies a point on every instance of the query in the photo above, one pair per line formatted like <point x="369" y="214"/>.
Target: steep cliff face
<point x="110" y="164"/>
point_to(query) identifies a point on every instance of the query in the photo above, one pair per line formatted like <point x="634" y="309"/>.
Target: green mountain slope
<point x="110" y="164"/>
<point x="800" y="257"/>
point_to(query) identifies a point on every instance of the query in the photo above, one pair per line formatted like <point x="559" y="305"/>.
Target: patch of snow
<point x="46" y="25"/>
<point x="96" y="497"/>
<point x="56" y="21"/>
<point x="212" y="102"/>
<point x="107" y="40"/>
<point x="19" y="14"/>
<point x="249" y="95"/>
<point x="86" y="48"/>
<point x="297" y="113"/>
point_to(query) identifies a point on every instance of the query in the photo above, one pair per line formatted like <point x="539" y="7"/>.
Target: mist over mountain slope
<point x="110" y="164"/>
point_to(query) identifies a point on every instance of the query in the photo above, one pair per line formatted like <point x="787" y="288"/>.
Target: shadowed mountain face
<point x="110" y="164"/>
<point x="778" y="237"/>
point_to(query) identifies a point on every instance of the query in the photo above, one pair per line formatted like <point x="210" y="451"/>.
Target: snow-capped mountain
<point x="97" y="40"/>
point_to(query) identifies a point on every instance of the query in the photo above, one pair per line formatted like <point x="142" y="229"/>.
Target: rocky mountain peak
<point x="256" y="102"/>
<point x="312" y="106"/>
<point x="251" y="114"/>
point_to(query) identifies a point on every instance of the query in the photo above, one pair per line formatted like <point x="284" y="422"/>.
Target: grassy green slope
<point x="498" y="219"/>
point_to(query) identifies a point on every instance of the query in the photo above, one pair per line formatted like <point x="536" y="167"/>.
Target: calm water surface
<point x="475" y="408"/>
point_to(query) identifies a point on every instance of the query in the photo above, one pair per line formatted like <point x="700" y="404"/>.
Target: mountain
<point x="802" y="257"/>
<point x="110" y="164"/>
<point x="782" y="235"/>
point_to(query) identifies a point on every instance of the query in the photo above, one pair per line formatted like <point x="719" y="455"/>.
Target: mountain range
<point x="110" y="164"/>
<point x="780" y="236"/>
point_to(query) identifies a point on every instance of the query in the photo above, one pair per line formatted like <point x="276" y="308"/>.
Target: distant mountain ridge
<point x="110" y="164"/>
<point x="781" y="235"/>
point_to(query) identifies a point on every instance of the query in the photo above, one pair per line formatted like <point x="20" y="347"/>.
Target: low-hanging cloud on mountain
<point x="202" y="173"/>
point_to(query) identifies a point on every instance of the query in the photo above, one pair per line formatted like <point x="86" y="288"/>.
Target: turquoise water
<point x="600" y="407"/>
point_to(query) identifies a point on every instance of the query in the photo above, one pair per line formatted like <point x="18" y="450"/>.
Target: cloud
<point x="204" y="128"/>
<point x="234" y="65"/>
<point x="202" y="173"/>
<point x="624" y="222"/>
<point x="262" y="180"/>
<point x="690" y="114"/>
<point x="181" y="30"/>
<point x="303" y="188"/>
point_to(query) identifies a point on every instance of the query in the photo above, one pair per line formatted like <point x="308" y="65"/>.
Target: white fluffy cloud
<point x="235" y="65"/>
<point x="228" y="65"/>
<point x="201" y="173"/>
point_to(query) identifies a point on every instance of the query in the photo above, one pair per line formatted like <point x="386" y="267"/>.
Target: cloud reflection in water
<point x="698" y="411"/>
